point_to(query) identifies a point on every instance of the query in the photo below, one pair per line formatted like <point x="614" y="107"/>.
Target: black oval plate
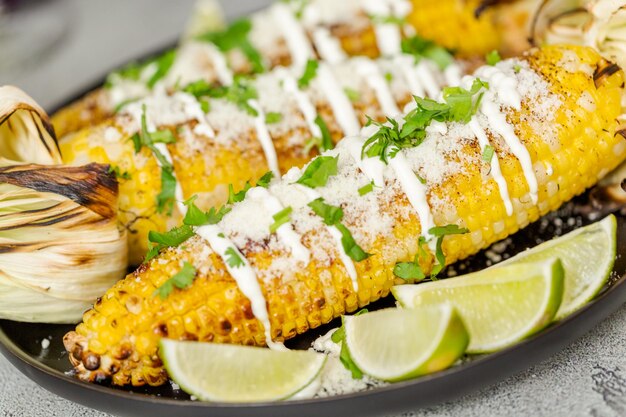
<point x="21" y="344"/>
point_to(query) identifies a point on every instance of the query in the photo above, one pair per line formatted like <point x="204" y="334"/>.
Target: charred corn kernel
<point x="323" y="290"/>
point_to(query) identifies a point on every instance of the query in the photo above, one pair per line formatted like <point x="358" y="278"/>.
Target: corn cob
<point x="570" y="99"/>
<point x="351" y="26"/>
<point x="205" y="165"/>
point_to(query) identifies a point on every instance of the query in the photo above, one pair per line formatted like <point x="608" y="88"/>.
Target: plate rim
<point x="615" y="294"/>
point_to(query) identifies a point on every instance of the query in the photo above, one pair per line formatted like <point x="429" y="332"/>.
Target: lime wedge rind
<point x="499" y="306"/>
<point x="230" y="373"/>
<point x="588" y="255"/>
<point x="392" y="345"/>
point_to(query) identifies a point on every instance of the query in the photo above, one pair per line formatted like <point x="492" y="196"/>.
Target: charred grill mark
<point x="621" y="132"/>
<point x="91" y="186"/>
<point x="604" y="70"/>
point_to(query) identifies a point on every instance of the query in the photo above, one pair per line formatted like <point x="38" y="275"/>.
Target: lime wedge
<point x="499" y="306"/>
<point x="229" y="373"/>
<point x="587" y="255"/>
<point x="397" y="344"/>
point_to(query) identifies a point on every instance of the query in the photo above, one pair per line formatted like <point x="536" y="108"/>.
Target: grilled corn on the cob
<point x="287" y="35"/>
<point x="225" y="145"/>
<point x="550" y="121"/>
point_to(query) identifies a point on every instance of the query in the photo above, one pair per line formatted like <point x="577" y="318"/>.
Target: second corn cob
<point x="547" y="120"/>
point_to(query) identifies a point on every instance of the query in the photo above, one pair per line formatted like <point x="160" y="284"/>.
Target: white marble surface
<point x="586" y="379"/>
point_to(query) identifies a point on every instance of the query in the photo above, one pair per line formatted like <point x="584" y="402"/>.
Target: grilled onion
<point x="60" y="243"/>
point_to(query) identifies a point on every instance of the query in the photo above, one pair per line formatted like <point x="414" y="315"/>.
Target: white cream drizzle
<point x="244" y="276"/>
<point x="414" y="190"/>
<point x="422" y="78"/>
<point x="328" y="47"/>
<point x="496" y="172"/>
<point x="374" y="78"/>
<point x="339" y="102"/>
<point x="264" y="137"/>
<point x="193" y="109"/>
<point x="336" y="234"/>
<point x="285" y="232"/>
<point x="223" y="72"/>
<point x="388" y="35"/>
<point x="294" y="35"/>
<point x="503" y="89"/>
<point x="290" y="85"/>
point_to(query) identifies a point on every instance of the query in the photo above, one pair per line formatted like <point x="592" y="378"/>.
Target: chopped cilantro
<point x="327" y="140"/>
<point x="339" y="336"/>
<point x="352" y="94"/>
<point x="409" y="270"/>
<point x="517" y="68"/>
<point x="389" y="20"/>
<point x="118" y="174"/>
<point x="197" y="217"/>
<point x="318" y="171"/>
<point x="130" y="72"/>
<point x="163" y="65"/>
<point x="167" y="195"/>
<point x="366" y="189"/>
<point x="233" y="37"/>
<point x="354" y="251"/>
<point x="183" y="279"/>
<point x="273" y="117"/>
<point x="493" y="57"/>
<point x="440" y="232"/>
<point x="239" y="93"/>
<point x="265" y="180"/>
<point x="280" y="218"/>
<point x="389" y="77"/>
<point x="420" y="179"/>
<point x="236" y="197"/>
<point x="459" y="105"/>
<point x="205" y="105"/>
<point x="330" y="214"/>
<point x="233" y="259"/>
<point x="174" y="237"/>
<point x="119" y="106"/>
<point x="422" y="48"/>
<point x="310" y="72"/>
<point x="488" y="153"/>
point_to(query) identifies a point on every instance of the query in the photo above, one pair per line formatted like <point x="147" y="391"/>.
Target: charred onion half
<point x="60" y="243"/>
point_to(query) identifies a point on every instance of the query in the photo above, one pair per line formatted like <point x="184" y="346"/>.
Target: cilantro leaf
<point x="488" y="153"/>
<point x="265" y="180"/>
<point x="199" y="88"/>
<point x="422" y="48"/>
<point x="167" y="197"/>
<point x="236" y="197"/>
<point x="339" y="336"/>
<point x="174" y="237"/>
<point x="310" y="72"/>
<point x="163" y="65"/>
<point x="352" y="94"/>
<point x="409" y="270"/>
<point x="118" y="174"/>
<point x="181" y="280"/>
<point x="366" y="189"/>
<point x="273" y="117"/>
<point x="233" y="259"/>
<point x="318" y="171"/>
<point x="459" y="105"/>
<point x="440" y="232"/>
<point x="280" y="218"/>
<point x="236" y="36"/>
<point x="327" y="140"/>
<point x="493" y="57"/>
<point x="354" y="251"/>
<point x="197" y="217"/>
<point x="330" y="214"/>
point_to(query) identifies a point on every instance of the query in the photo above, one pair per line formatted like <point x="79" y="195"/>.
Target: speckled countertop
<point x="586" y="379"/>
